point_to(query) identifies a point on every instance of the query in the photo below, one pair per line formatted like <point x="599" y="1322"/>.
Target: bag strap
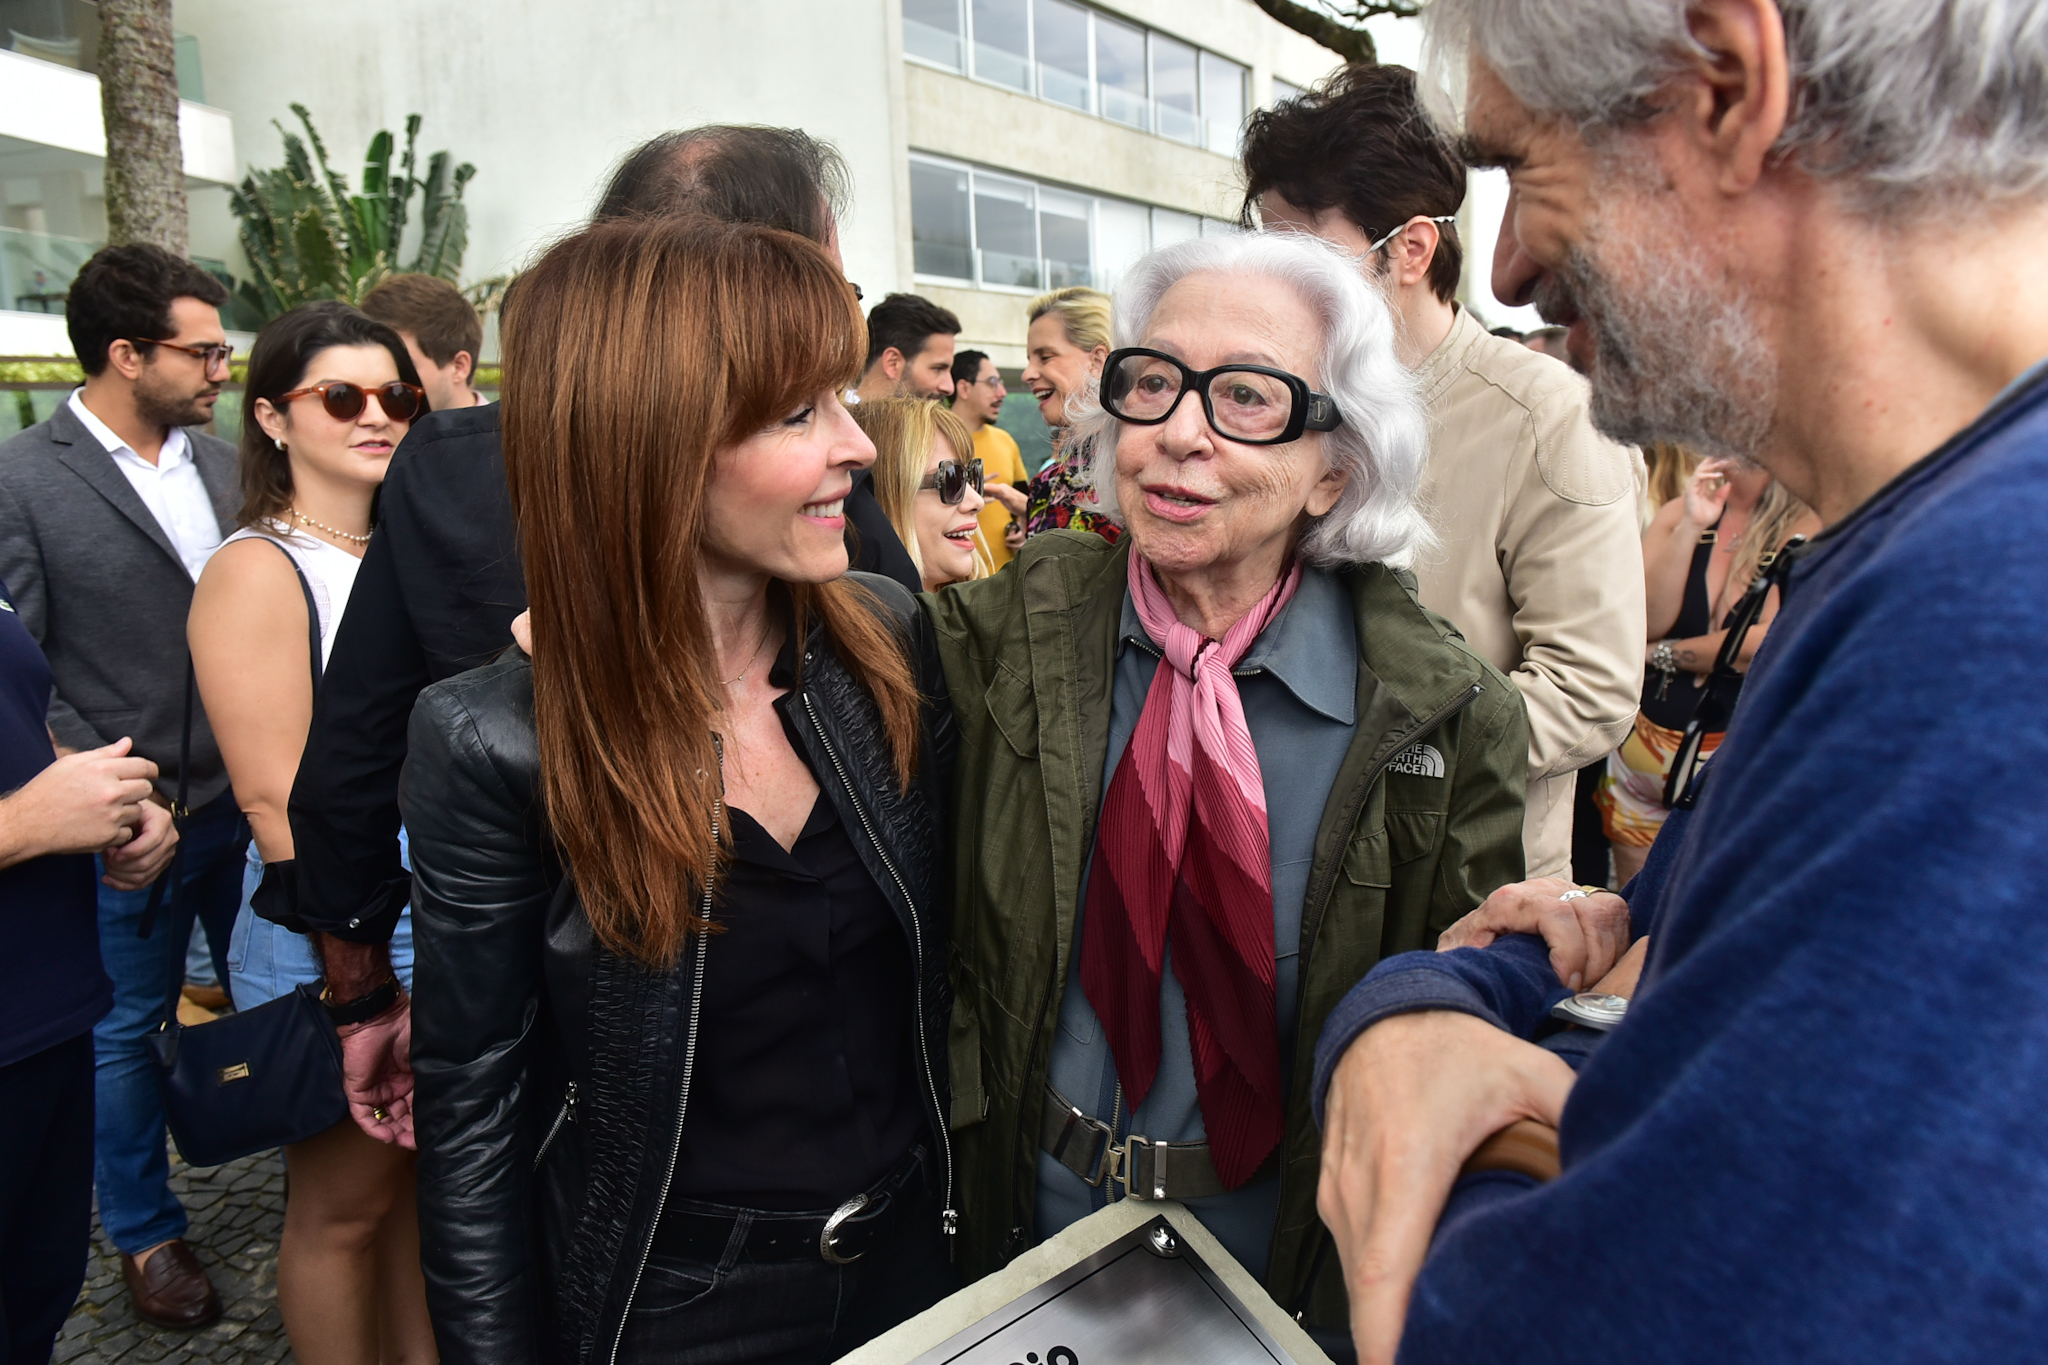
<point x="312" y="609"/>
<point x="164" y="887"/>
<point x="1716" y="706"/>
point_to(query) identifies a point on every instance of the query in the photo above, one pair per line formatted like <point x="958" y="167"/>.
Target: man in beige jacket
<point x="1541" y="564"/>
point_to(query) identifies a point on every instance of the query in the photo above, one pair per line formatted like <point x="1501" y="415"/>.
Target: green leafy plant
<point x="307" y="236"/>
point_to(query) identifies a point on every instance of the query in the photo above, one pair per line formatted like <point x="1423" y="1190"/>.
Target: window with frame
<point x="985" y="229"/>
<point x="1067" y="53"/>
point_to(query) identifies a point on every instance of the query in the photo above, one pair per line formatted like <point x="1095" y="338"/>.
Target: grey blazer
<point x="102" y="589"/>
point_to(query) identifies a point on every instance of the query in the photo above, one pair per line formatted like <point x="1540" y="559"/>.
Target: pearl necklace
<point x="323" y="526"/>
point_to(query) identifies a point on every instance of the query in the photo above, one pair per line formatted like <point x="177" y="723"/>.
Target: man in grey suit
<point x="108" y="512"/>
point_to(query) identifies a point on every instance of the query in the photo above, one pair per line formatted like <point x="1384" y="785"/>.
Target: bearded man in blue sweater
<point x="1808" y="233"/>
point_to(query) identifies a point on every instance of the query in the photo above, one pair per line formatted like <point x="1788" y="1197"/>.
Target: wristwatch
<point x="1591" y="1009"/>
<point x="362" y="1009"/>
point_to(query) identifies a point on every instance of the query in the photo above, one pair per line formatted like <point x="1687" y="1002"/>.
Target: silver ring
<point x="1577" y="893"/>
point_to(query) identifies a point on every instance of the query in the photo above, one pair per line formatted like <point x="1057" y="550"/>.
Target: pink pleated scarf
<point x="1182" y="849"/>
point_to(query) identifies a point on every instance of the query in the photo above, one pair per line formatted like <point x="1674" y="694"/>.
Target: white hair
<point x="1383" y="439"/>
<point x="1909" y="102"/>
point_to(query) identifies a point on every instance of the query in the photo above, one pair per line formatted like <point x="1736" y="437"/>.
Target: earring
<point x="280" y="447"/>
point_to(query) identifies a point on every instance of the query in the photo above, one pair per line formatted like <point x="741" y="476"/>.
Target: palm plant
<point x="308" y="237"/>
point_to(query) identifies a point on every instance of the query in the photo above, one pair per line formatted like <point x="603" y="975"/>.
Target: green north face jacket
<point x="1403" y="850"/>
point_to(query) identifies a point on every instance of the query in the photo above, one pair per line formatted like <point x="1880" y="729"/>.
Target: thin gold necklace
<point x="733" y="682"/>
<point x="323" y="526"/>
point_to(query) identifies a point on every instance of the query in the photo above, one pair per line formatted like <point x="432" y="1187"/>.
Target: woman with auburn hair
<point x="679" y="1038"/>
<point x="928" y="481"/>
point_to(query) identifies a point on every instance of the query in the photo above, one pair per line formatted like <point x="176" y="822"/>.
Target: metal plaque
<point x="1145" y="1299"/>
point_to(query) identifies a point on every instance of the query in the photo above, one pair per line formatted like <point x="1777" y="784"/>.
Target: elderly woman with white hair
<point x="1209" y="775"/>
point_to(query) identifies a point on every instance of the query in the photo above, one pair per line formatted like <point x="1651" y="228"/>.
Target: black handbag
<point x="256" y="1079"/>
<point x="250" y="1081"/>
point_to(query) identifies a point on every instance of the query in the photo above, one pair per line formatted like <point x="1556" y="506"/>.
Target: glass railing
<point x="67" y="33"/>
<point x="36" y="269"/>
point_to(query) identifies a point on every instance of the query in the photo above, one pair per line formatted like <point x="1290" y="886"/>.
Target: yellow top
<point x="1001" y="462"/>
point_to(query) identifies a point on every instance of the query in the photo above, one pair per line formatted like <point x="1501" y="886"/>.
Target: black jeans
<point x="740" y="1312"/>
<point x="45" y="1195"/>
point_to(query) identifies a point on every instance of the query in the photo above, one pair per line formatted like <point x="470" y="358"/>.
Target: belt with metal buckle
<point x="1146" y="1169"/>
<point x="840" y="1237"/>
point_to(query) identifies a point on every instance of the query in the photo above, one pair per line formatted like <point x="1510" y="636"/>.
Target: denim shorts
<point x="267" y="960"/>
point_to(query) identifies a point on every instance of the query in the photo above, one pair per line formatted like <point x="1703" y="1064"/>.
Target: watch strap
<point x="362" y="1009"/>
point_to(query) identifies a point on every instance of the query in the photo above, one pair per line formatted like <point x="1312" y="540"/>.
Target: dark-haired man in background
<point x="978" y="395"/>
<point x="441" y="329"/>
<point x="1541" y="565"/>
<point x="910" y="349"/>
<point x="108" y="512"/>
<point x="441" y="584"/>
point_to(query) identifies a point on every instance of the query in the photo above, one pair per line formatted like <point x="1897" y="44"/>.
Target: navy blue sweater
<point x="1822" y="1133"/>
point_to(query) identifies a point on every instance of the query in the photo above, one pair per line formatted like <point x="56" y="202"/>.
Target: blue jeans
<point x="267" y="960"/>
<point x="130" y="1167"/>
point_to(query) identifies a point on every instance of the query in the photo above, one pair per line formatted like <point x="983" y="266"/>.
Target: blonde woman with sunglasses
<point x="929" y="484"/>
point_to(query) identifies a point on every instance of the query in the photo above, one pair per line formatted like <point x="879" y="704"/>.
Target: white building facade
<point x="997" y="147"/>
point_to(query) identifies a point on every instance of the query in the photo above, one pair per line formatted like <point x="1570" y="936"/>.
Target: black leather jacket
<point x="551" y="1075"/>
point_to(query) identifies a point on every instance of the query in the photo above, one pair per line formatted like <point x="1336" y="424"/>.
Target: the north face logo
<point x="1418" y="760"/>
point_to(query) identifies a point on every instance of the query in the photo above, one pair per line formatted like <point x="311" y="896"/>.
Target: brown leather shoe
<point x="172" y="1289"/>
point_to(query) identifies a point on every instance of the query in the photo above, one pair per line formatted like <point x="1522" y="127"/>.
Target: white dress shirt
<point x="171" y="488"/>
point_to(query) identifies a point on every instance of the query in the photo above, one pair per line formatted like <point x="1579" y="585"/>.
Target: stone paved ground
<point x="237" y="1212"/>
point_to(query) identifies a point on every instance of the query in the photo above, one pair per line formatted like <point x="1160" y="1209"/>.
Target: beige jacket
<point x="1541" y="564"/>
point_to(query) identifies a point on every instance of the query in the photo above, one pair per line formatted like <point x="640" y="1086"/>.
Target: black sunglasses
<point x="1255" y="405"/>
<point x="1724" y="685"/>
<point x="344" y="401"/>
<point x="951" y="480"/>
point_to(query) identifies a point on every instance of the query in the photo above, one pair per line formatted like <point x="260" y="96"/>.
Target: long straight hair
<point x="636" y="351"/>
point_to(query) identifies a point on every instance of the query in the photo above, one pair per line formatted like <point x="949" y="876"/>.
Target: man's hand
<point x="1586" y="935"/>
<point x="376" y="1072"/>
<point x="82" y="803"/>
<point x="1414" y="1096"/>
<point x="137" y="863"/>
<point x="376" y="1055"/>
<point x="1008" y="496"/>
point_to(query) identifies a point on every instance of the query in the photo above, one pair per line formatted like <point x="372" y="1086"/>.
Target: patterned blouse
<point x="1061" y="498"/>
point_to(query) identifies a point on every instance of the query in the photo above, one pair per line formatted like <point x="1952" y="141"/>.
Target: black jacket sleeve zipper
<point x="950" y="1218"/>
<point x="566" y="1114"/>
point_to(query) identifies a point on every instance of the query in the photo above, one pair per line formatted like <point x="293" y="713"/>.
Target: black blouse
<point x="806" y="1088"/>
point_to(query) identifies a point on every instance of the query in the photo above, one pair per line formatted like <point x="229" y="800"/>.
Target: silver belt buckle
<point x="828" y="1236"/>
<point x="1128" y="1155"/>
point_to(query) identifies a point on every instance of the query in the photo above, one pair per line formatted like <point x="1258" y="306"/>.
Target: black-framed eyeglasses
<point x="1255" y="405"/>
<point x="214" y="356"/>
<point x="951" y="480"/>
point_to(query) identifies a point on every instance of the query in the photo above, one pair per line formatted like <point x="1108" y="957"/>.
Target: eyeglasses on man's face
<point x="951" y="480"/>
<point x="994" y="384"/>
<point x="1254" y="405"/>
<point x="214" y="357"/>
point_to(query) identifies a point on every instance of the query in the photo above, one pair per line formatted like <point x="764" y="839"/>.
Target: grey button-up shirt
<point x="1299" y="685"/>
